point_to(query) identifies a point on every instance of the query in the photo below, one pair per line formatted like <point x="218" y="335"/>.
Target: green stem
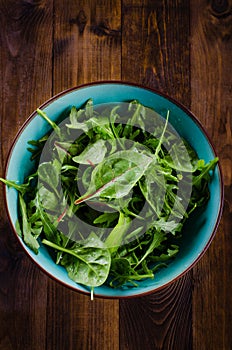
<point x="68" y="251"/>
<point x="53" y="124"/>
<point x="162" y="136"/>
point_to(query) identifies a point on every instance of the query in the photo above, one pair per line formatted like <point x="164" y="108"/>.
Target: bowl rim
<point x="161" y="94"/>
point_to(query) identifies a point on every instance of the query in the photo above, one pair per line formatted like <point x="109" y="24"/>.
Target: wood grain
<point x="25" y="69"/>
<point x="159" y="321"/>
<point x="87" y="42"/>
<point x="76" y="322"/>
<point x="183" y="48"/>
<point x="155" y="46"/>
<point x="211" y="86"/>
<point x="26" y="62"/>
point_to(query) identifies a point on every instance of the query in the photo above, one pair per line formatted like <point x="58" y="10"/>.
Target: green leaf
<point x="18" y="228"/>
<point x="49" y="174"/>
<point x="88" y="264"/>
<point x="178" y="158"/>
<point x="139" y="114"/>
<point x="168" y="226"/>
<point x="101" y="126"/>
<point x="93" y="154"/>
<point x="169" y="254"/>
<point x="158" y="238"/>
<point x="48" y="199"/>
<point x="28" y="238"/>
<point x="115" y="238"/>
<point x="204" y="171"/>
<point x="107" y="218"/>
<point x="89" y="108"/>
<point x="158" y="148"/>
<point x="153" y="187"/>
<point x="75" y="123"/>
<point x="37" y="146"/>
<point x="49" y="228"/>
<point x="116" y="175"/>
<point x="21" y="188"/>
<point x="123" y="273"/>
<point x="51" y="122"/>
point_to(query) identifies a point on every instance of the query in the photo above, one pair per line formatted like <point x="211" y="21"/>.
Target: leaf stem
<point x="162" y="135"/>
<point x="52" y="123"/>
<point x="68" y="251"/>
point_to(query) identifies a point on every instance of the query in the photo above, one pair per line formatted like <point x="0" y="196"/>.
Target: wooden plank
<point x="211" y="84"/>
<point x="159" y="321"/>
<point x="26" y="51"/>
<point x="76" y="322"/>
<point x="155" y="46"/>
<point x="155" y="53"/>
<point x="86" y="42"/>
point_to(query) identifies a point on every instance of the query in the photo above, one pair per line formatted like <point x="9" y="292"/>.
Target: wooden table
<point x="182" y="48"/>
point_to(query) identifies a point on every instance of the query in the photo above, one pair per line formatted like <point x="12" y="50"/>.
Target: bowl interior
<point x="198" y="233"/>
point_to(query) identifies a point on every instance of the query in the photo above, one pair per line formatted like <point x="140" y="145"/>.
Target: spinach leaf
<point x="88" y="263"/>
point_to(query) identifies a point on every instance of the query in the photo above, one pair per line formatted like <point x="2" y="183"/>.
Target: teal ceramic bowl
<point x="201" y="229"/>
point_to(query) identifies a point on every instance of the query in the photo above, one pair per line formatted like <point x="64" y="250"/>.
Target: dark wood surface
<point x="183" y="48"/>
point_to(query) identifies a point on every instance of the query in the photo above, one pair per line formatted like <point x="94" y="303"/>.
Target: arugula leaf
<point x="28" y="237"/>
<point x="101" y="126"/>
<point x="158" y="238"/>
<point x="89" y="111"/>
<point x="158" y="148"/>
<point x="165" y="256"/>
<point x="178" y="158"/>
<point x="21" y="188"/>
<point x="75" y="123"/>
<point x="168" y="226"/>
<point x="53" y="124"/>
<point x="124" y="273"/>
<point x="48" y="173"/>
<point x="205" y="172"/>
<point x="38" y="146"/>
<point x="139" y="114"/>
<point x="153" y="183"/>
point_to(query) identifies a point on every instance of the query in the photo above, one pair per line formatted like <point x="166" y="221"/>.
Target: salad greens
<point x="112" y="189"/>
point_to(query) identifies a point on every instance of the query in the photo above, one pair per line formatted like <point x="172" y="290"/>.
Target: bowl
<point x="201" y="229"/>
